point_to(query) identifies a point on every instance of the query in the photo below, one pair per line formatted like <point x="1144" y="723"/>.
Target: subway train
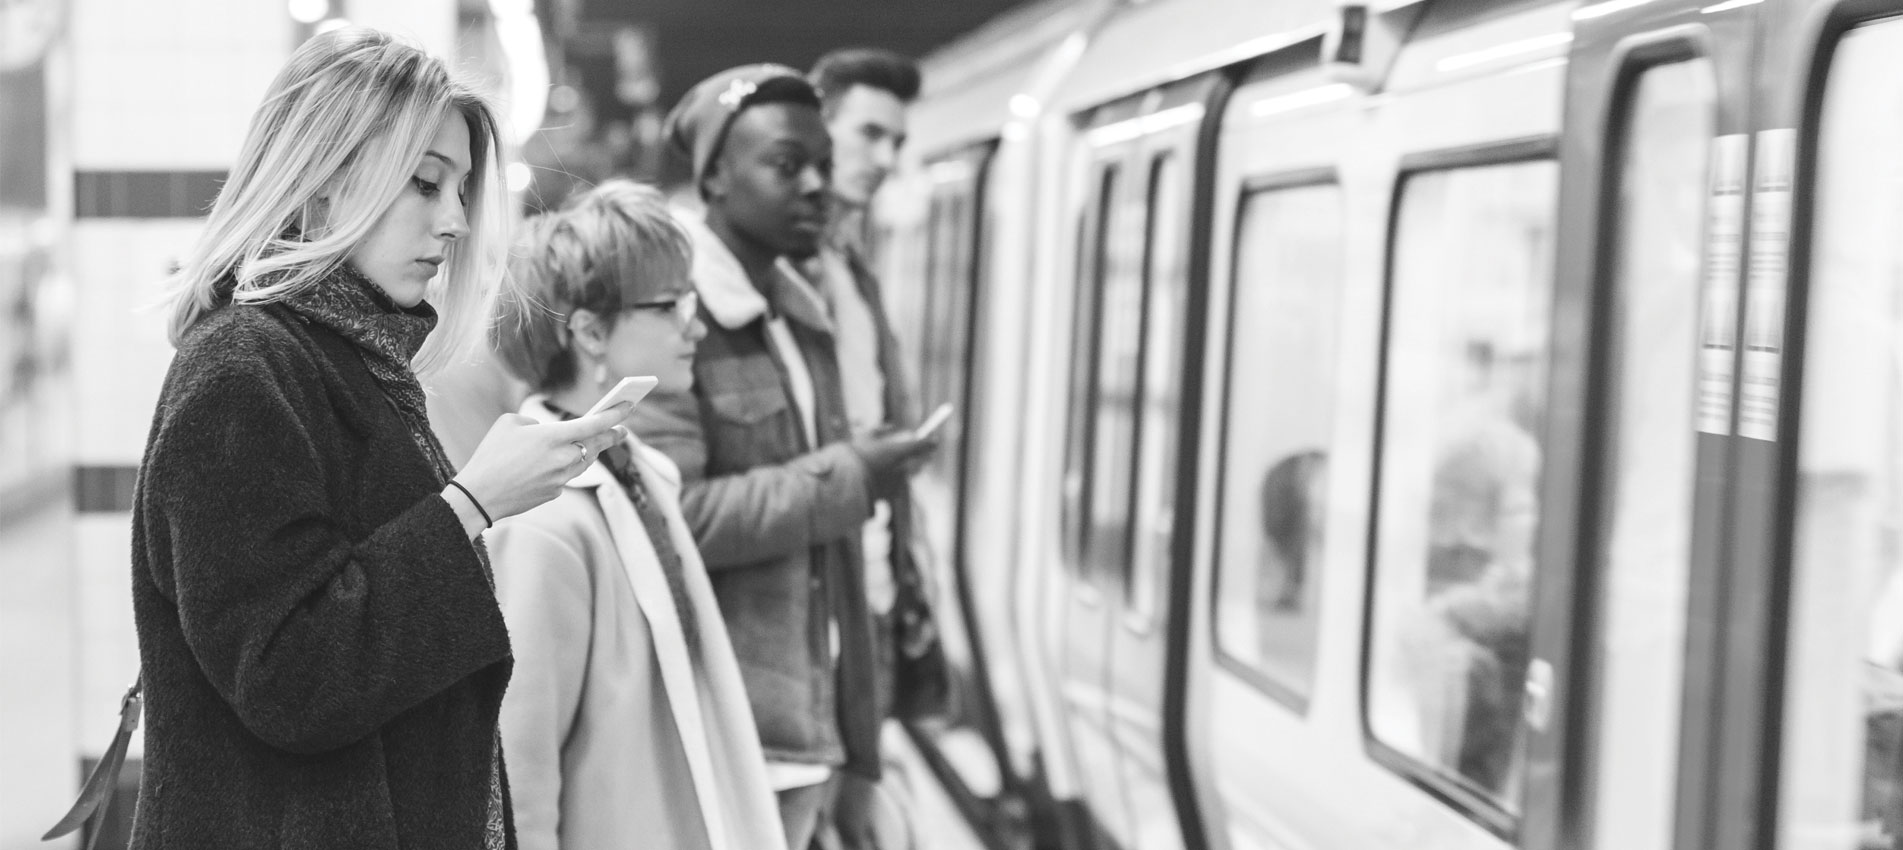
<point x="1440" y="424"/>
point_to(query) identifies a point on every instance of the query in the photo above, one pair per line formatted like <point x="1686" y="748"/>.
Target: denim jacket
<point x="777" y="519"/>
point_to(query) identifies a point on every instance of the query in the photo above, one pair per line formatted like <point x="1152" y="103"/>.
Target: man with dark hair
<point x="863" y="95"/>
<point x="776" y="488"/>
<point x="864" y="66"/>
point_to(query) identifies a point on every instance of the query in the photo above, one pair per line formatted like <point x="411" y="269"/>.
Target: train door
<point x="1390" y="299"/>
<point x="1826" y="397"/>
<point x="1142" y="682"/>
<point x="1289" y="337"/>
<point x="966" y="745"/>
<point x="1121" y="487"/>
<point x="1098" y="439"/>
<point x="1471" y="117"/>
<point x="1624" y="684"/>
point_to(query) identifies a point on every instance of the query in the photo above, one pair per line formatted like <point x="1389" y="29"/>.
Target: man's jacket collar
<point x="729" y="294"/>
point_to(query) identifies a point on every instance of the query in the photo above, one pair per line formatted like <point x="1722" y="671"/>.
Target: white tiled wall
<point x="120" y="352"/>
<point x="39" y="764"/>
<point x="432" y="23"/>
<point x="171" y="85"/>
<point x="108" y="643"/>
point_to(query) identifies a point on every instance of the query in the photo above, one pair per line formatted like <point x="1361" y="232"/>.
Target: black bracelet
<point x="486" y="521"/>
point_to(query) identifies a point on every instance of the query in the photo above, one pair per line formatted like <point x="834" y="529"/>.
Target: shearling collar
<point x="731" y="297"/>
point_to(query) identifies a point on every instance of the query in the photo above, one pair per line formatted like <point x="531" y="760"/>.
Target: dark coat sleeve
<point x="758" y="514"/>
<point x="315" y="637"/>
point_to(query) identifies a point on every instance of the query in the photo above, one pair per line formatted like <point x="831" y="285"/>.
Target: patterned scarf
<point x="620" y="462"/>
<point x="387" y="337"/>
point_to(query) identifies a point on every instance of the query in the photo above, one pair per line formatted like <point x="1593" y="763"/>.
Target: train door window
<point x="1119" y="357"/>
<point x="1645" y="548"/>
<point x="1464" y="399"/>
<point x="1278" y="421"/>
<point x="1165" y="301"/>
<point x="1842" y="762"/>
<point x="941" y="243"/>
<point x="1094" y="236"/>
<point x="948" y="299"/>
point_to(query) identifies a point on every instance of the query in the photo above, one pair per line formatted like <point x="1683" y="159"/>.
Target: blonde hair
<point x="603" y="251"/>
<point x="337" y="138"/>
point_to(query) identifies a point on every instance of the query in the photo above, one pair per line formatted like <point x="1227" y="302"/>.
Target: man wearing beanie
<point x="777" y="490"/>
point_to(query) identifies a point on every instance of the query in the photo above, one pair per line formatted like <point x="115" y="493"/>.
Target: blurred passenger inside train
<point x="1882" y="808"/>
<point x="864" y="93"/>
<point x="626" y="722"/>
<point x="1293" y="495"/>
<point x="1483" y="507"/>
<point x="324" y="656"/>
<point x="1882" y="672"/>
<point x="776" y="488"/>
<point x="1483" y="516"/>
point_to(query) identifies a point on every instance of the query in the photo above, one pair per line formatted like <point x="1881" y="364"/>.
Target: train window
<point x="1092" y="260"/>
<point x="1165" y="302"/>
<point x="1276" y="431"/>
<point x="1645" y="549"/>
<point x="1464" y="398"/>
<point x="1842" y="762"/>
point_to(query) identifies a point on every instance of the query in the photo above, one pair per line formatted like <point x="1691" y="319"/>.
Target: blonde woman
<point x="628" y="724"/>
<point x="324" y="656"/>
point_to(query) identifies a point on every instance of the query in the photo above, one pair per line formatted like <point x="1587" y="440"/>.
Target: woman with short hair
<point x="324" y="656"/>
<point x="628" y="724"/>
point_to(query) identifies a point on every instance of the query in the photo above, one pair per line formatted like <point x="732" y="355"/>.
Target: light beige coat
<point x="617" y="734"/>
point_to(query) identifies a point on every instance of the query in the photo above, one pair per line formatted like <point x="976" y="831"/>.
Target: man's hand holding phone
<point x="933" y="422"/>
<point x="892" y="455"/>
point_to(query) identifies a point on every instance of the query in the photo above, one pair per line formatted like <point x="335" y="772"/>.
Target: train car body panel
<point x="1143" y="45"/>
<point x="972" y="91"/>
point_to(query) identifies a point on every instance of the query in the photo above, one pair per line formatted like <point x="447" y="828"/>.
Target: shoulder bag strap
<point x="96" y="795"/>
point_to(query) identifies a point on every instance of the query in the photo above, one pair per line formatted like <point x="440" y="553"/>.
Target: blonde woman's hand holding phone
<point x="522" y="463"/>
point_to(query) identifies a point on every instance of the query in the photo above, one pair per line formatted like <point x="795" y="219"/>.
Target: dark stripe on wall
<point x="145" y="194"/>
<point x="115" y="829"/>
<point x="103" y="489"/>
<point x="23" y="140"/>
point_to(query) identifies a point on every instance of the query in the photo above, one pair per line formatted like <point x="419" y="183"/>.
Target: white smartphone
<point x="933" y="422"/>
<point x="630" y="390"/>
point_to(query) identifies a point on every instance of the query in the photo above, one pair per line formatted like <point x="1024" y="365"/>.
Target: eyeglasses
<point x="685" y="308"/>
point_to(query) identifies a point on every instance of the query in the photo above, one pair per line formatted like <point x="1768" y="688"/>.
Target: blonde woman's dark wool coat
<point x="324" y="655"/>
